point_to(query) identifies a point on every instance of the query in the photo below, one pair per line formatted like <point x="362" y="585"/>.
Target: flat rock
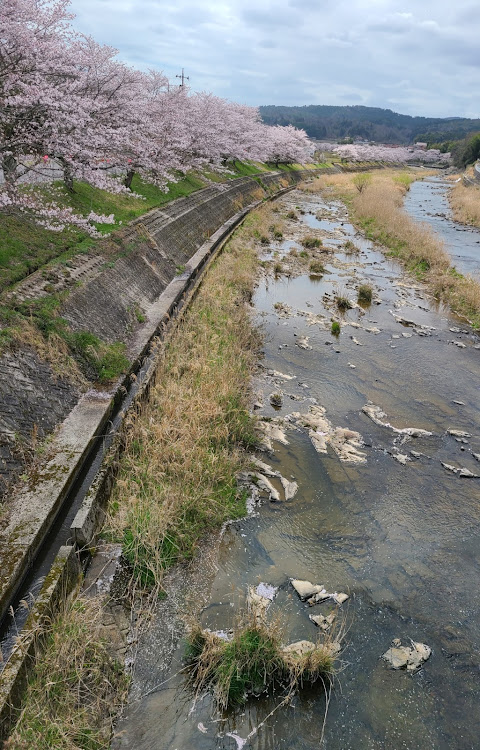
<point x="323" y="595"/>
<point x="377" y="415"/>
<point x="458" y="433"/>
<point x="468" y="474"/>
<point x="265" y="468"/>
<point x="302" y="342"/>
<point x="290" y="488"/>
<point x="324" y="623"/>
<point x="299" y="648"/>
<point x="257" y="603"/>
<point x="265" y="484"/>
<point x="305" y="589"/>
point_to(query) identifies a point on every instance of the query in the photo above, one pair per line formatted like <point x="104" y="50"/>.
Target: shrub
<point x="292" y="215"/>
<point x="362" y="181"/>
<point x="335" y="329"/>
<point x="277" y="268"/>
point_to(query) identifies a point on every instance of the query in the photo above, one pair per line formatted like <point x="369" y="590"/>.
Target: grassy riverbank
<point x="76" y="688"/>
<point x="376" y="207"/>
<point x="183" y="451"/>
<point x="465" y="203"/>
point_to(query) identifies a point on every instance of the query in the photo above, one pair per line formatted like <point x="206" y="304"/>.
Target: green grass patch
<point x="97" y="360"/>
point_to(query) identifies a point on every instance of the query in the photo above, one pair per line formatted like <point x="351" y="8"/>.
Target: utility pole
<point x="183" y="77"/>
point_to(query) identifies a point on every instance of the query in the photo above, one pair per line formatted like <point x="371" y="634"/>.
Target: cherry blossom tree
<point x="386" y="153"/>
<point x="66" y="99"/>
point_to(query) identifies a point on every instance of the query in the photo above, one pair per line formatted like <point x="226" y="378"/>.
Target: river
<point x="402" y="539"/>
<point x="427" y="200"/>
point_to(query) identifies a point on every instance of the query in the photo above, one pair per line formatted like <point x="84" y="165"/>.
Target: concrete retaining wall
<point x="108" y="299"/>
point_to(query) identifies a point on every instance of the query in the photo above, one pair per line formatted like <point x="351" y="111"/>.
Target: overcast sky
<point x="415" y="57"/>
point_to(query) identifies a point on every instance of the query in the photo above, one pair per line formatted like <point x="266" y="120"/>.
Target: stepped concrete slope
<point x="108" y="299"/>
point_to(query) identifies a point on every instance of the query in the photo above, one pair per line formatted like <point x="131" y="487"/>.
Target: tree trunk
<point x="67" y="174"/>
<point x="9" y="167"/>
<point x="128" y="178"/>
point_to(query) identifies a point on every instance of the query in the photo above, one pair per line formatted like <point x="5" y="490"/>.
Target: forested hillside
<point x="372" y="123"/>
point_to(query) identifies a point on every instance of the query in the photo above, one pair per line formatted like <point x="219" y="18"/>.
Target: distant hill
<point x="371" y="123"/>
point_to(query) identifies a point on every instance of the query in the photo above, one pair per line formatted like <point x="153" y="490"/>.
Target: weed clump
<point x="316" y="267"/>
<point x="350" y="247"/>
<point x="292" y="216"/>
<point x="310" y="242"/>
<point x="253" y="661"/>
<point x="277" y="268"/>
<point x="343" y="303"/>
<point x="365" y="293"/>
<point x="335" y="328"/>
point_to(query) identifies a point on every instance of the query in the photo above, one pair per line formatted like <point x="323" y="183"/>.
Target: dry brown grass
<point x="465" y="203"/>
<point x="75" y="688"/>
<point x="378" y="211"/>
<point x="183" y="451"/>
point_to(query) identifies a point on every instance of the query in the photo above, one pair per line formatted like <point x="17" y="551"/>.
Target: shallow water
<point x="427" y="200"/>
<point x="403" y="541"/>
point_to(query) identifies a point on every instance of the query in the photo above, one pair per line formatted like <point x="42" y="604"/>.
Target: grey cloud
<point x="420" y="58"/>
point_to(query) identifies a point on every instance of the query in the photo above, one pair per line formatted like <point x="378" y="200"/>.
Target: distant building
<point x="421" y="145"/>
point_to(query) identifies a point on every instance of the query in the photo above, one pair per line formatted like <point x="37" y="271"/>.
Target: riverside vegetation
<point x="377" y="211"/>
<point x="465" y="203"/>
<point x="77" y="685"/>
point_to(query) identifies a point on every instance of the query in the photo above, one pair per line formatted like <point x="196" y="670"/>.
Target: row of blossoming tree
<point x="378" y="152"/>
<point x="67" y="99"/>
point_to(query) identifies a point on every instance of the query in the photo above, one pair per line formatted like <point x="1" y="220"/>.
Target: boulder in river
<point x="407" y="657"/>
<point x="305" y="589"/>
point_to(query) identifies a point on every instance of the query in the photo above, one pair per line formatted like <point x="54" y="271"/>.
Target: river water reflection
<point x="403" y="540"/>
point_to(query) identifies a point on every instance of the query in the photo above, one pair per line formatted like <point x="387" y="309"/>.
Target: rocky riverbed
<point x="364" y="500"/>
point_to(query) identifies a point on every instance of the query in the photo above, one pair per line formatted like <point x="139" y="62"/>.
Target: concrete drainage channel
<point x="70" y="494"/>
